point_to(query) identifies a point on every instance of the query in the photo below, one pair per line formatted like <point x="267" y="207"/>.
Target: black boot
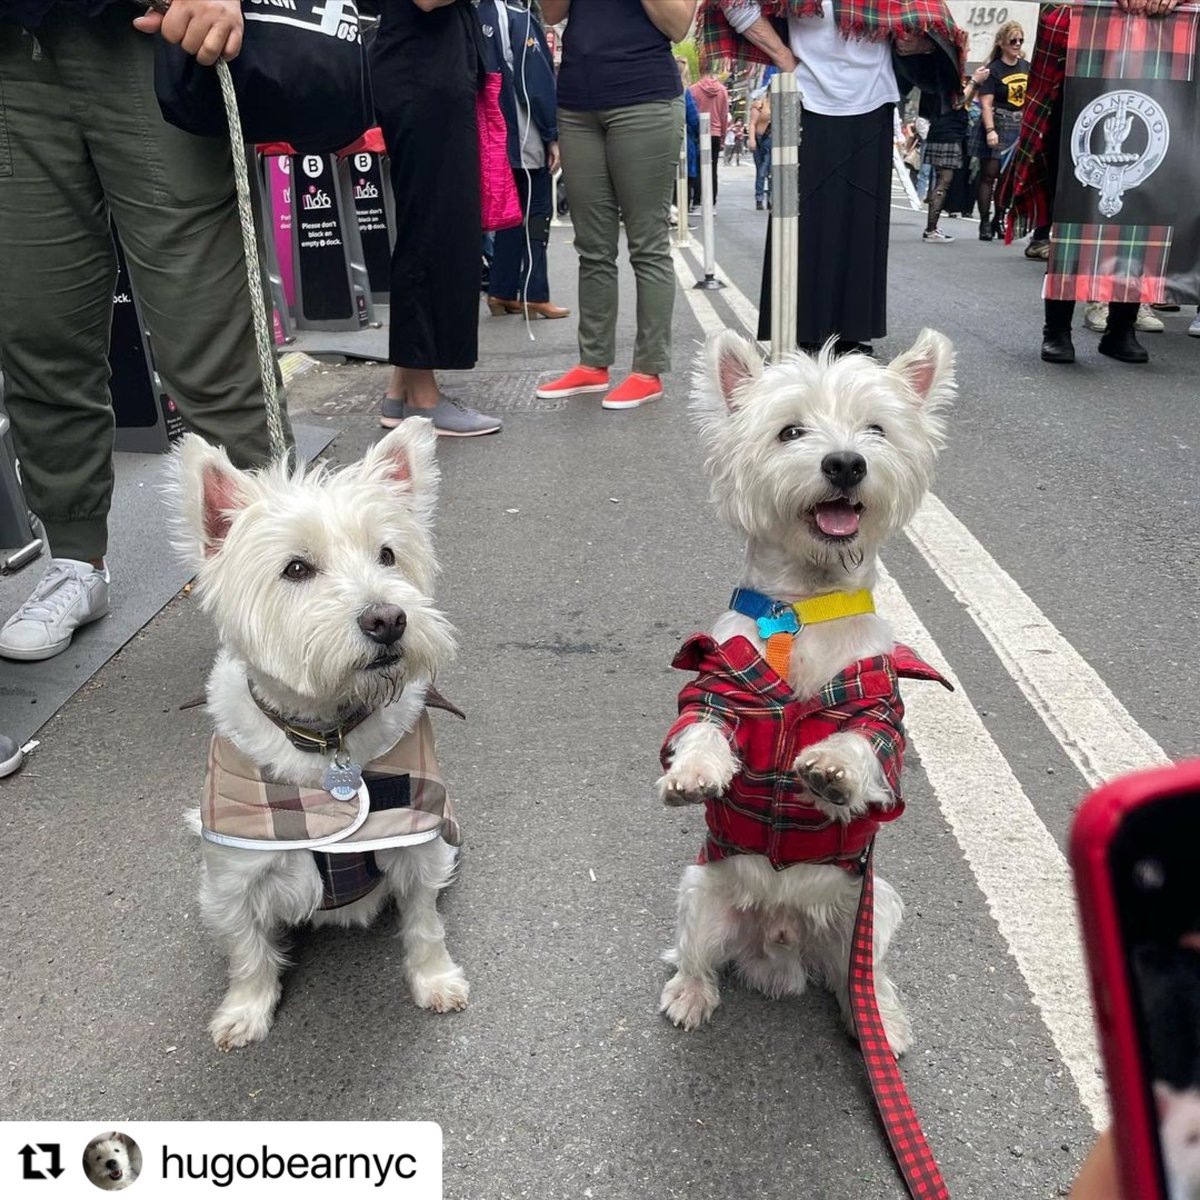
<point x="1057" y="346"/>
<point x="985" y="231"/>
<point x="1122" y="344"/>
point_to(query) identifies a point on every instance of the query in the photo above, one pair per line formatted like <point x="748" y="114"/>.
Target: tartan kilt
<point x="1008" y="126"/>
<point x="943" y="154"/>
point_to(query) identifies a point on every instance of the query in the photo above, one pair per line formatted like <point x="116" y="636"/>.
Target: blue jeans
<point x="762" y="167"/>
<point x="519" y="267"/>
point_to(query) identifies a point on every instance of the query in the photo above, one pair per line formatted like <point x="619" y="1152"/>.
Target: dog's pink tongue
<point x="836" y="518"/>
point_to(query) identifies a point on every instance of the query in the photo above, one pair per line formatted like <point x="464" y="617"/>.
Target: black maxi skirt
<point x="845" y="209"/>
<point x="425" y="68"/>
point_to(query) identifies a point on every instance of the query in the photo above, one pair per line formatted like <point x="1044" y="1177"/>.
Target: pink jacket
<point x="712" y="98"/>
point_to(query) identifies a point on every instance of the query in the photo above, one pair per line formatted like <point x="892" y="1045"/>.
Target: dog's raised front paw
<point x="688" y="1001"/>
<point x="702" y="766"/>
<point x="240" y="1025"/>
<point x="840" y="774"/>
<point x="824" y="777"/>
<point x="689" y="785"/>
<point x="445" y="992"/>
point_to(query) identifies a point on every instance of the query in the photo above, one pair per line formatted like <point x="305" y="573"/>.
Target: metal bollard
<point x="682" y="236"/>
<point x="785" y="212"/>
<point x="710" y="282"/>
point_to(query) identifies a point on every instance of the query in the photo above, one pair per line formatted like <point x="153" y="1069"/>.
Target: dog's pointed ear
<point x="928" y="369"/>
<point x="406" y="459"/>
<point x="207" y="491"/>
<point x="731" y="362"/>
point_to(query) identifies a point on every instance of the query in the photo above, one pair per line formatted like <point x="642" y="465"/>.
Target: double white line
<point x="1019" y="867"/>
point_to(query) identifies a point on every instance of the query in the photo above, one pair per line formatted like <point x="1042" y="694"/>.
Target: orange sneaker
<point x="575" y="382"/>
<point x="637" y="389"/>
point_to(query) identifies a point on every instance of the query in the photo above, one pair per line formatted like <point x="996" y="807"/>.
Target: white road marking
<point x="708" y="318"/>
<point x="1089" y="722"/>
<point x="1019" y="868"/>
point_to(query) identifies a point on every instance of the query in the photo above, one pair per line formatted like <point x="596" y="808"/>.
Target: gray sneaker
<point x="391" y="412"/>
<point x="450" y="417"/>
<point x="70" y="594"/>
<point x="11" y="756"/>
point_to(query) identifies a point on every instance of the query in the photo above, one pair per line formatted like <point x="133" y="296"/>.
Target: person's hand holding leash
<point x="208" y="29"/>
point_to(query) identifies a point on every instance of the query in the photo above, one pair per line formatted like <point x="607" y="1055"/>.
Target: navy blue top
<point x="614" y="55"/>
<point x="31" y="13"/>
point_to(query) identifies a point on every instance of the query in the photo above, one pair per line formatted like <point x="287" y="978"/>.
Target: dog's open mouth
<point x="116" y="1174"/>
<point x="837" y="520"/>
<point x="388" y="659"/>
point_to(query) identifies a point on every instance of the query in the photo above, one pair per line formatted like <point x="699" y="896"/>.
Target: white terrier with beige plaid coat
<point x="319" y="583"/>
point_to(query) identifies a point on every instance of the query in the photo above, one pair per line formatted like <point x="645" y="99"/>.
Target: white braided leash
<point x="262" y="330"/>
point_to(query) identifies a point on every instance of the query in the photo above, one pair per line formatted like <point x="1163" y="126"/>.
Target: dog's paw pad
<point x="689" y="1002"/>
<point x="443" y="993"/>
<point x="824" y="778"/>
<point x="679" y="787"/>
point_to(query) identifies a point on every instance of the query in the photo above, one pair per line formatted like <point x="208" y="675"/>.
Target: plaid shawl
<point x="1027" y="184"/>
<point x="872" y="20"/>
<point x="766" y="810"/>
<point x="404" y="803"/>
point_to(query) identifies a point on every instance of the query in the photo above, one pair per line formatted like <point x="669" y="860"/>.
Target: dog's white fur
<point x="1179" y="1133"/>
<point x="108" y="1162"/>
<point x="781" y="928"/>
<point x="299" y="644"/>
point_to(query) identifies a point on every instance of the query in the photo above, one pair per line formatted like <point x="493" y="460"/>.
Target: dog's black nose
<point x="383" y="623"/>
<point x="844" y="469"/>
<point x="111" y="1165"/>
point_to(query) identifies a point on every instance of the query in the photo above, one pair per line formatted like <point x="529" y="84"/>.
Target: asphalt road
<point x="579" y="550"/>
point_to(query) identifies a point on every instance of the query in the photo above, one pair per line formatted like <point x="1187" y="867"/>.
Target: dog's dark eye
<point x="876" y="429"/>
<point x="789" y="433"/>
<point x="298" y="570"/>
<point x="387" y="556"/>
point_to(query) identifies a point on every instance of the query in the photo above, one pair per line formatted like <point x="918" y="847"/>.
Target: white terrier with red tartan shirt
<point x="791" y="735"/>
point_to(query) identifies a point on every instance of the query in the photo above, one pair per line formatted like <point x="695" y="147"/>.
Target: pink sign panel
<point x="279" y="178"/>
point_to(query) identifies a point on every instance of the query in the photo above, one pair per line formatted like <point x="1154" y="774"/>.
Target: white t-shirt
<point x="837" y="76"/>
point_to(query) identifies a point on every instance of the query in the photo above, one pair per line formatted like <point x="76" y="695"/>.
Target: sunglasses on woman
<point x="1016" y="41"/>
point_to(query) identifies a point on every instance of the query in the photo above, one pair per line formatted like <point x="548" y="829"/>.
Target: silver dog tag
<point x="342" y="778"/>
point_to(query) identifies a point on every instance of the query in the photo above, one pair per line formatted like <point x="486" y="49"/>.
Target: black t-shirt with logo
<point x="1007" y="84"/>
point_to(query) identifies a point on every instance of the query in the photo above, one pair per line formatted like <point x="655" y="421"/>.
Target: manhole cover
<point x="490" y="391"/>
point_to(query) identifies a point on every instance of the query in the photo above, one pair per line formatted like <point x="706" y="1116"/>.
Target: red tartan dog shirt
<point x="766" y="809"/>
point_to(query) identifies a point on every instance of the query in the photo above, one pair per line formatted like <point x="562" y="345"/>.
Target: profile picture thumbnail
<point x="112" y="1161"/>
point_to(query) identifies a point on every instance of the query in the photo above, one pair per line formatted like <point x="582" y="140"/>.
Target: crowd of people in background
<point x="612" y="114"/>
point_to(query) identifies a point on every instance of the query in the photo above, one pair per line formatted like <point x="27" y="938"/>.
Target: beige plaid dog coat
<point x="403" y="802"/>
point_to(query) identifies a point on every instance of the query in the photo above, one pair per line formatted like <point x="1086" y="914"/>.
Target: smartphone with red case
<point x="1135" y="852"/>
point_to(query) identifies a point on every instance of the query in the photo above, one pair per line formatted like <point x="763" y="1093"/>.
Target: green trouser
<point x="620" y="165"/>
<point x="81" y="138"/>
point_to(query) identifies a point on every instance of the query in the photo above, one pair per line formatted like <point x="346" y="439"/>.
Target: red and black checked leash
<point x="912" y="1152"/>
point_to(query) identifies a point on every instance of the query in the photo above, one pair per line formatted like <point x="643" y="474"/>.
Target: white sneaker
<point x="1148" y="321"/>
<point x="1194" y="327"/>
<point x="1095" y="316"/>
<point x="70" y="594"/>
<point x="11" y="756"/>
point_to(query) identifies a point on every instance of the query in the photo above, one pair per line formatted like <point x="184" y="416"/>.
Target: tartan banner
<point x="1127" y="222"/>
<point x="1129" y="48"/>
<point x="1111" y="262"/>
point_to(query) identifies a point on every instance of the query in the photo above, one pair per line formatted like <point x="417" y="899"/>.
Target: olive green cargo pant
<point x="620" y="166"/>
<point x="81" y="137"/>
